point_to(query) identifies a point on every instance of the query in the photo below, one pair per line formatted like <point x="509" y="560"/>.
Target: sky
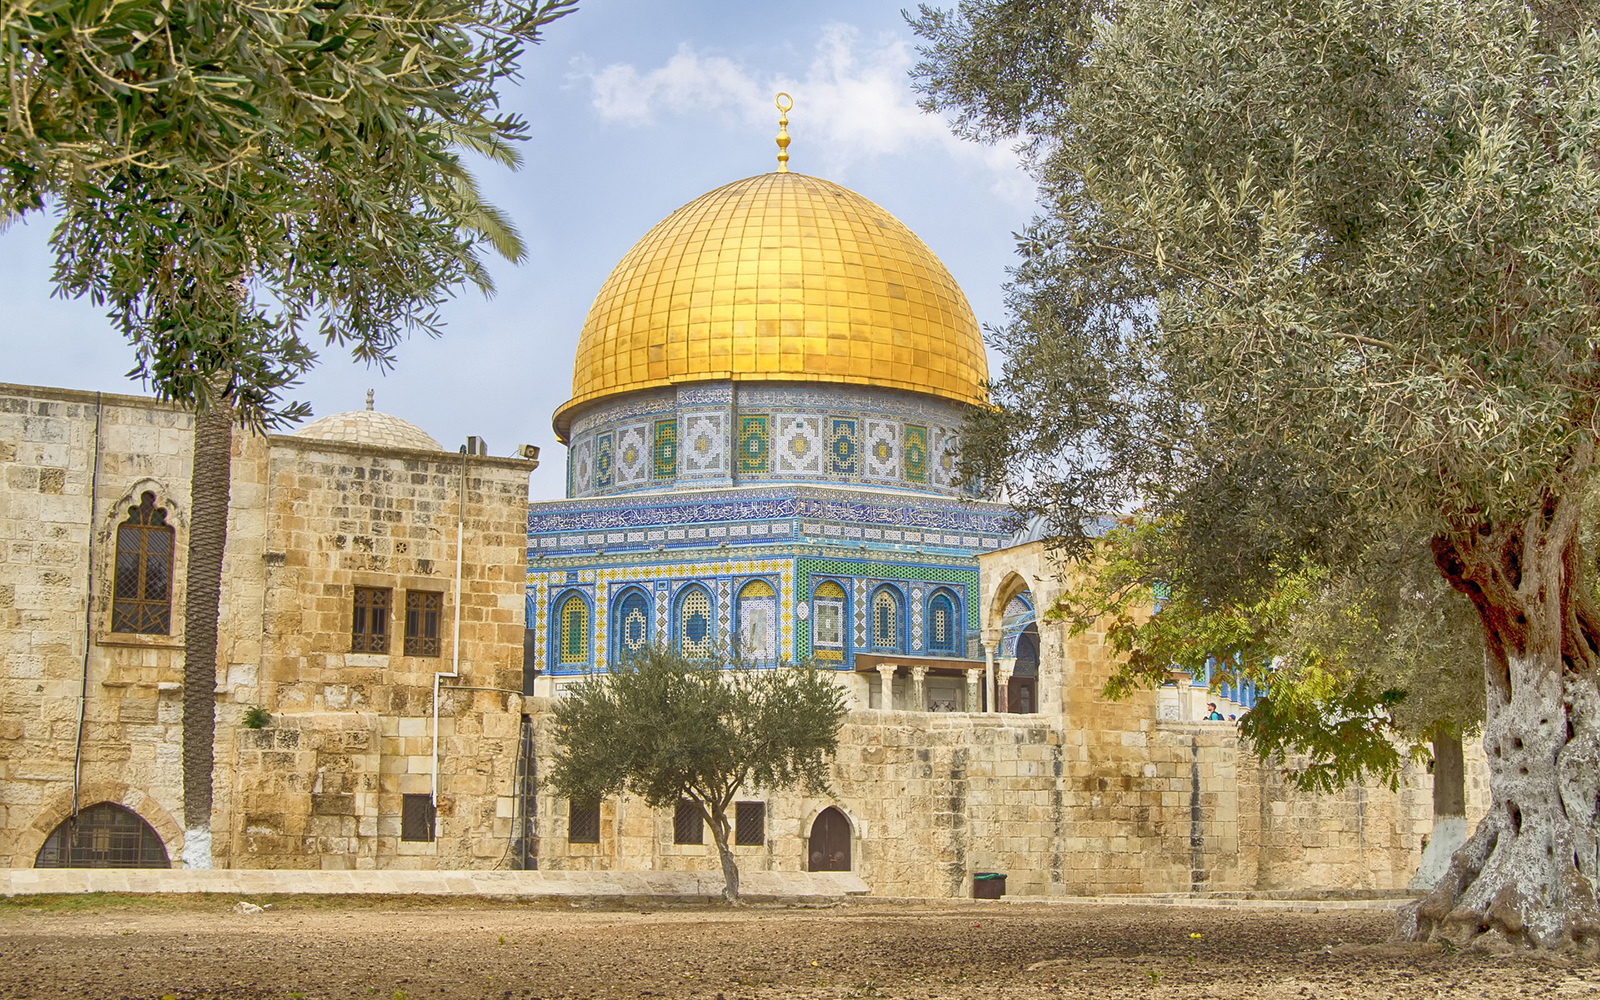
<point x="635" y="108"/>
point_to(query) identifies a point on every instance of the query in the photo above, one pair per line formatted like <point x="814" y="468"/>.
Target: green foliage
<point x="1312" y="284"/>
<point x="1302" y="269"/>
<point x="228" y="175"/>
<point x="663" y="728"/>
<point x="1363" y="666"/>
<point x="256" y="717"/>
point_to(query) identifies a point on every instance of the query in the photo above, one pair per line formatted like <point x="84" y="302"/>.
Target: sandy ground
<point x="166" y="948"/>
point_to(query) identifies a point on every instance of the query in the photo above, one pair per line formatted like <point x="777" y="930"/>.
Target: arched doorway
<point x="105" y="835"/>
<point x="1022" y="691"/>
<point x="829" y="847"/>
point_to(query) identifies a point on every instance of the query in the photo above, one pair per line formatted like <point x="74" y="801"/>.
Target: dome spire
<point x="783" y="102"/>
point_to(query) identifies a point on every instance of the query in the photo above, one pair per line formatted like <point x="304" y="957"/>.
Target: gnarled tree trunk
<point x="720" y="833"/>
<point x="1527" y="876"/>
<point x="208" y="535"/>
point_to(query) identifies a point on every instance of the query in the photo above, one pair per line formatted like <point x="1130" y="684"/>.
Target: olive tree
<point x="1310" y="273"/>
<point x="666" y="728"/>
<point x="235" y="181"/>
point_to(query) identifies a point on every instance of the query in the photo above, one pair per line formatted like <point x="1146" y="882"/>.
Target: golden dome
<point x="779" y="278"/>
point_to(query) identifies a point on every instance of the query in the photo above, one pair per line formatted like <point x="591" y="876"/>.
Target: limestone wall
<point x="350" y="734"/>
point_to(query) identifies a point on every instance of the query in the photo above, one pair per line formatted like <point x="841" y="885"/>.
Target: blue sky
<point x="636" y="107"/>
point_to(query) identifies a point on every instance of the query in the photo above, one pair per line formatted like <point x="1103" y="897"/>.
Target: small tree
<point x="666" y="728"/>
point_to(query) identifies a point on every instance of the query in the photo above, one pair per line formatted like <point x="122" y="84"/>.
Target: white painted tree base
<point x="1449" y="833"/>
<point x="197" y="848"/>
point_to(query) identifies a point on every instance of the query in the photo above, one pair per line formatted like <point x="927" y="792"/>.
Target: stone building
<point x="761" y="441"/>
<point x="338" y="601"/>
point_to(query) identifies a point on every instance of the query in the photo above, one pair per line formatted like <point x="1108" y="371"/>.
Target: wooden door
<point x="830" y="842"/>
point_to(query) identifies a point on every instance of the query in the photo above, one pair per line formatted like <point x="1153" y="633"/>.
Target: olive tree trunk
<point x="1527" y="875"/>
<point x="721" y="832"/>
<point x="208" y="534"/>
<point x="1449" y="831"/>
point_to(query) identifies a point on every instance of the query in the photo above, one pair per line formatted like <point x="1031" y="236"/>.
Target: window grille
<point x="141" y="595"/>
<point x="695" y="634"/>
<point x="105" y="835"/>
<point x="632" y="625"/>
<point x="422" y="622"/>
<point x="885" y="620"/>
<point x="827" y="621"/>
<point x="688" y="826"/>
<point x="750" y="823"/>
<point x="941" y="624"/>
<point x="416" y="817"/>
<point x="369" y="624"/>
<point x="758" y="621"/>
<point x="583" y="822"/>
<point x="574" y="634"/>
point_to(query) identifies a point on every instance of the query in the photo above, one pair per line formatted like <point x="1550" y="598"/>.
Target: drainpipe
<point x="88" y="614"/>
<point x="455" y="640"/>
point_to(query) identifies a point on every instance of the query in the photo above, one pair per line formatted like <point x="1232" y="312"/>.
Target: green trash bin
<point x="988" y="885"/>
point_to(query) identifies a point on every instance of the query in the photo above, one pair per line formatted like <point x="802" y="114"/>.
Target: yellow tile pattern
<point x="779" y="277"/>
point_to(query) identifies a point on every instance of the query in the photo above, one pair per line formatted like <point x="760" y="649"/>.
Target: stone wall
<point x="350" y="734"/>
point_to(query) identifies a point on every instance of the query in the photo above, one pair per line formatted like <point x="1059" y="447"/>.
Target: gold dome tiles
<point x="779" y="277"/>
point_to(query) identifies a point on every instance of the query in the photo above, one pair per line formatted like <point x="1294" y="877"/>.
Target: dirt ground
<point x="165" y="948"/>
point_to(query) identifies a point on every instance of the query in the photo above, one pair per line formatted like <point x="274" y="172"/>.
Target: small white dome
<point x="369" y="427"/>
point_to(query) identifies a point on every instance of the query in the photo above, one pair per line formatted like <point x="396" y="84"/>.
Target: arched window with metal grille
<point x="105" y="835"/>
<point x="886" y="619"/>
<point x="572" y="631"/>
<point x="828" y="617"/>
<point x="696" y="628"/>
<point x="630" y="624"/>
<point x="141" y="596"/>
<point x="758" y="621"/>
<point x="944" y="625"/>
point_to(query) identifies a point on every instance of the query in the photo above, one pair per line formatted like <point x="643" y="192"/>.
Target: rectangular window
<point x="688" y="826"/>
<point x="422" y="622"/>
<point x="369" y="625"/>
<point x="583" y="822"/>
<point x="416" y="817"/>
<point x="750" y="823"/>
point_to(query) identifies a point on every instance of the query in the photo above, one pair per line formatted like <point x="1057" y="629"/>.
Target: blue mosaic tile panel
<point x="844" y="447"/>
<point x="916" y="453"/>
<point x="755" y="444"/>
<point x="664" y="460"/>
<point x="604" y="460"/>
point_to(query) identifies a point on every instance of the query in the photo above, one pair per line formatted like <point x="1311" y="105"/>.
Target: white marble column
<point x="919" y="689"/>
<point x="974" y="686"/>
<point x="886" y="671"/>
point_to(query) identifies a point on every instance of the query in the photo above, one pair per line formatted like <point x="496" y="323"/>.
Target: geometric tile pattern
<point x="885" y="619"/>
<point x="916" y="453"/>
<point x="705" y="444"/>
<point x="943" y="453"/>
<point x="844" y="447"/>
<point x="755" y="444"/>
<point x="916" y="618"/>
<point x="664" y="463"/>
<point x="880" y="449"/>
<point x="604" y="460"/>
<point x="799" y="447"/>
<point x="582" y="467"/>
<point x="724" y="610"/>
<point x="633" y="454"/>
<point x="860" y="587"/>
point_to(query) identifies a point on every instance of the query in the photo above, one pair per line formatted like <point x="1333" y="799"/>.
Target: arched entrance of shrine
<point x="828" y="849"/>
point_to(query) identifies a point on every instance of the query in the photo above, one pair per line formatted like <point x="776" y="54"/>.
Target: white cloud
<point x="855" y="100"/>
